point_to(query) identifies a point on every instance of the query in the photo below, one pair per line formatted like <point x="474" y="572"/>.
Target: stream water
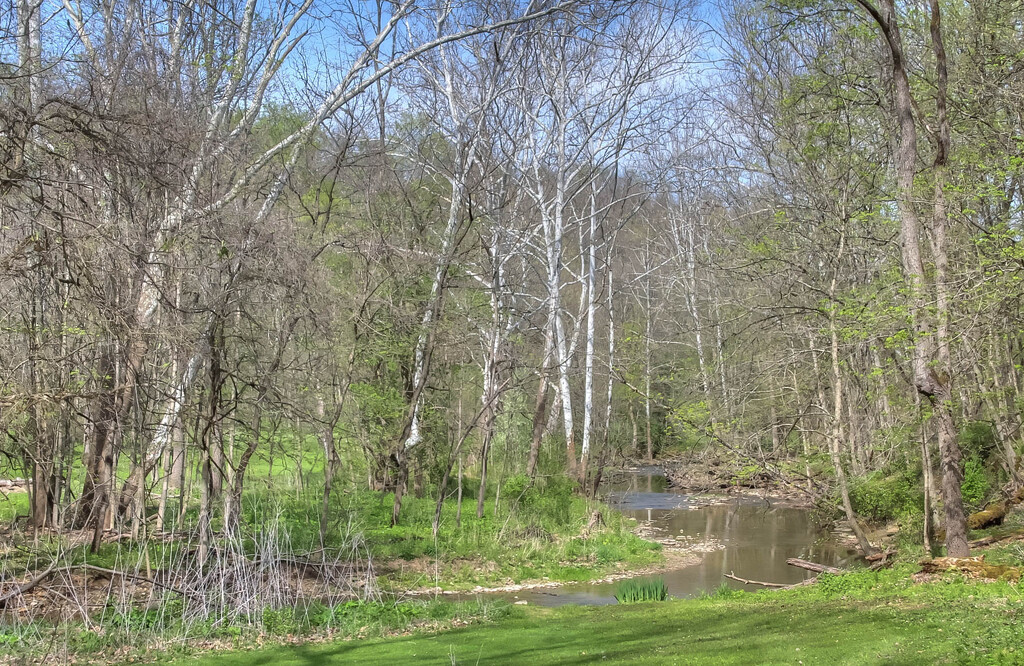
<point x="746" y="536"/>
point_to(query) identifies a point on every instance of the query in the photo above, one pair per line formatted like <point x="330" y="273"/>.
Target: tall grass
<point x="166" y="591"/>
<point x="637" y="590"/>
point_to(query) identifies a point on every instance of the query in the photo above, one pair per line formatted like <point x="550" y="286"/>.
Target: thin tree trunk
<point x="588" y="381"/>
<point x="611" y="353"/>
<point x="458" y="500"/>
<point x="648" y="315"/>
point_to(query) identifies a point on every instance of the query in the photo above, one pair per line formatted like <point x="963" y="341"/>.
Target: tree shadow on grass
<point x="701" y="634"/>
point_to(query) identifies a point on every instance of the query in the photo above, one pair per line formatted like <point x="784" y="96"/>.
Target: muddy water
<point x="748" y="537"/>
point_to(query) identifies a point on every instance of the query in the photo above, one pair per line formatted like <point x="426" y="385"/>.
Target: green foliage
<point x="909" y="540"/>
<point x="519" y="491"/>
<point x="975" y="486"/>
<point x="637" y="590"/>
<point x="977" y="439"/>
<point x="881" y="498"/>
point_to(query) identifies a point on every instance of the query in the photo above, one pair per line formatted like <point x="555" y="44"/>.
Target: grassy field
<point x="862" y="618"/>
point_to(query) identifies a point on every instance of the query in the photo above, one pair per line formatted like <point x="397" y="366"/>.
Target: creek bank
<point x="677" y="552"/>
<point x="673" y="560"/>
<point x="719" y="475"/>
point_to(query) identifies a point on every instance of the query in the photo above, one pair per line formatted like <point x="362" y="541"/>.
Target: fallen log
<point x="813" y="566"/>
<point x="974" y="567"/>
<point x="880" y="560"/>
<point x="993" y="539"/>
<point x="875" y="557"/>
<point x="994" y="512"/>
<point x="22" y="589"/>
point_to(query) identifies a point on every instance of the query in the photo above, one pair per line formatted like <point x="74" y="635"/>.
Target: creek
<point x="749" y="537"/>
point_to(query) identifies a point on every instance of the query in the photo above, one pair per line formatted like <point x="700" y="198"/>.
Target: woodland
<point x="308" y="303"/>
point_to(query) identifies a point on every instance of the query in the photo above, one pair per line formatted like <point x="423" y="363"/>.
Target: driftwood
<point x="754" y="582"/>
<point x="801" y="564"/>
<point x="813" y="566"/>
<point x="975" y="567"/>
<point x="775" y="586"/>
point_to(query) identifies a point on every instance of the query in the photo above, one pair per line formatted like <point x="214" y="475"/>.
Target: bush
<point x="518" y="490"/>
<point x="555" y="499"/>
<point x="976" y="484"/>
<point x="881" y="498"/>
<point x="637" y="590"/>
<point x="977" y="439"/>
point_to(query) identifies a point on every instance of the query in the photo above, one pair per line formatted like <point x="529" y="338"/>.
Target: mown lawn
<point x="855" y="622"/>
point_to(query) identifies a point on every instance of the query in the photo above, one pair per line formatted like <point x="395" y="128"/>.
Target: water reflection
<point x="757" y="538"/>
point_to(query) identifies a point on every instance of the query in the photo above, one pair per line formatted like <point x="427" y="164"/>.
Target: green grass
<point x="535" y="534"/>
<point x="146" y="635"/>
<point x="532" y="533"/>
<point x="12" y="505"/>
<point x="511" y="545"/>
<point x="861" y="618"/>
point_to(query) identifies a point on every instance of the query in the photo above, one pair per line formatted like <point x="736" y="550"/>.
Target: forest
<point x="328" y="319"/>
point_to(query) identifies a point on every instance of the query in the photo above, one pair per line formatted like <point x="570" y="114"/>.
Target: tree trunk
<point x="949" y="448"/>
<point x="930" y="361"/>
<point x="588" y="380"/>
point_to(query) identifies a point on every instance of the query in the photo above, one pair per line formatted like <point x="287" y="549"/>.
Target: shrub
<point x="883" y="498"/>
<point x="976" y="484"/>
<point x="977" y="439"/>
<point x="637" y="590"/>
<point x="555" y="500"/>
<point x="518" y="490"/>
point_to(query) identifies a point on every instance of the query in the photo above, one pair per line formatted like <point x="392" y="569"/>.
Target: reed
<point x="637" y="590"/>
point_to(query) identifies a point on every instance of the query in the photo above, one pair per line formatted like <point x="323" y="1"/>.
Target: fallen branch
<point x="126" y="574"/>
<point x="813" y="566"/>
<point x="880" y="560"/>
<point x="54" y="569"/>
<point x="20" y="590"/>
<point x="989" y="540"/>
<point x="755" y="582"/>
